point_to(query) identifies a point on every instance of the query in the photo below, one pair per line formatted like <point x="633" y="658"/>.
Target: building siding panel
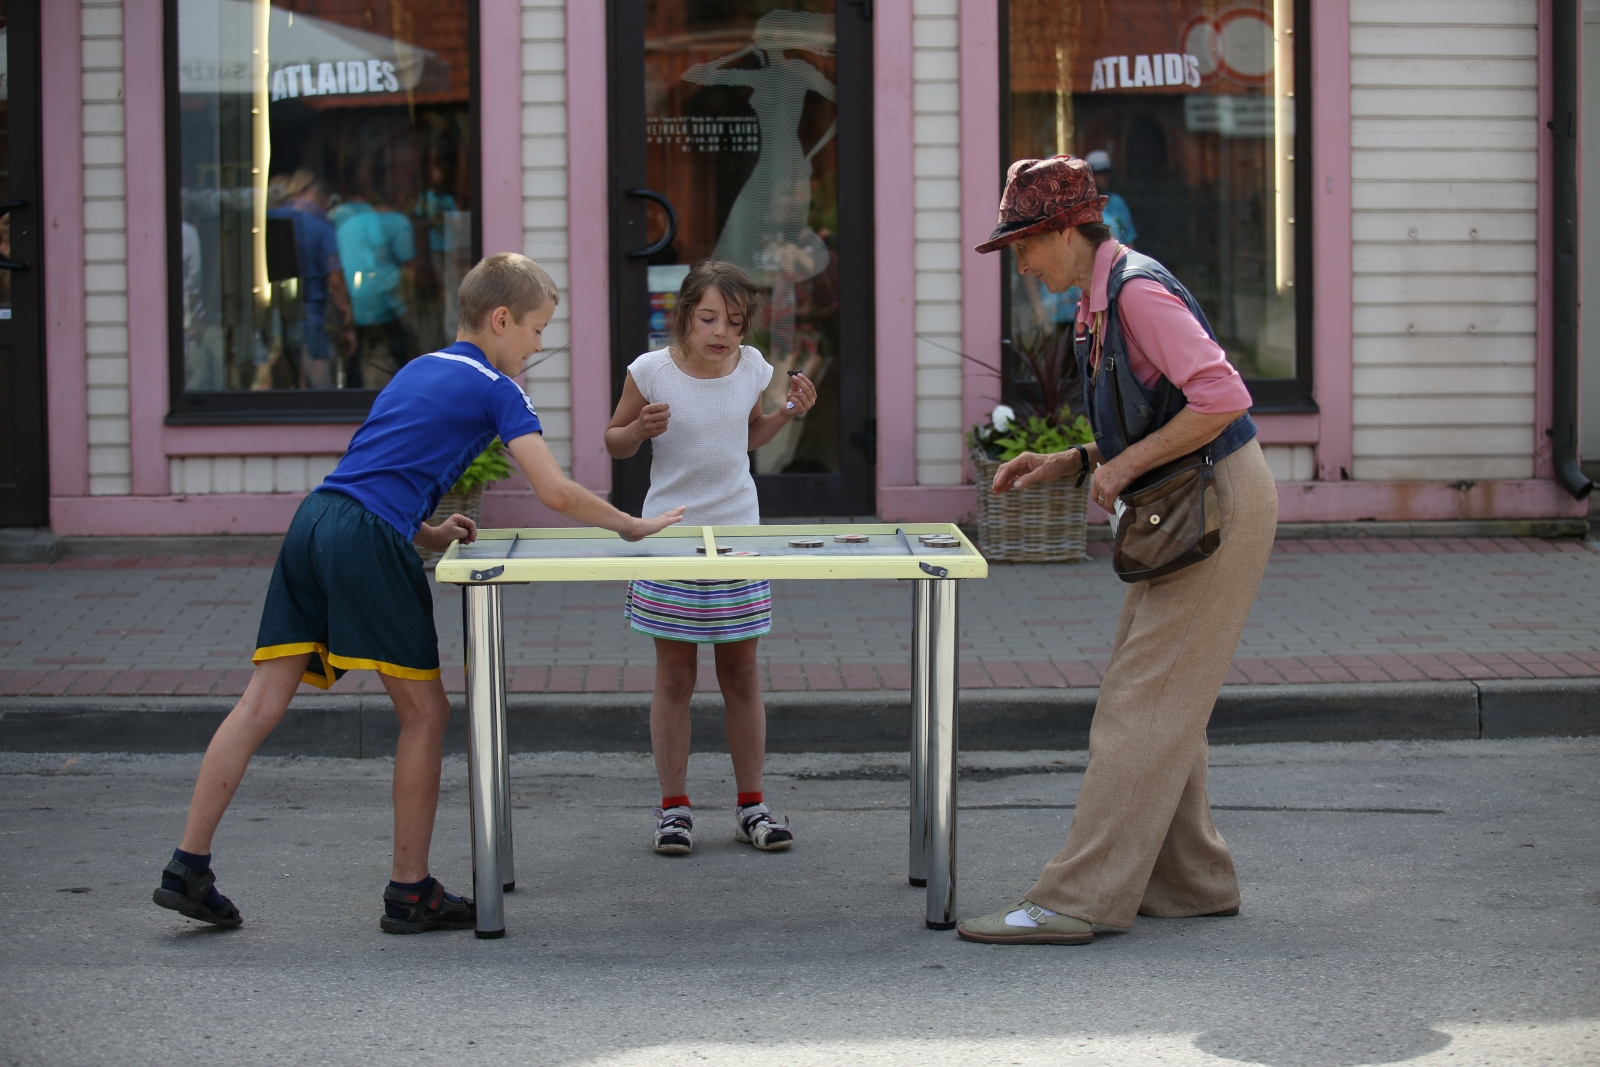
<point x="936" y="196"/>
<point x="105" y="264"/>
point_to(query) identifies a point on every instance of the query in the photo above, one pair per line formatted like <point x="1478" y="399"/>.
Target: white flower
<point x="1002" y="417"/>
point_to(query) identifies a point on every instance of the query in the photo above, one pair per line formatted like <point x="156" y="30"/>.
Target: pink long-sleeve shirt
<point x="1164" y="340"/>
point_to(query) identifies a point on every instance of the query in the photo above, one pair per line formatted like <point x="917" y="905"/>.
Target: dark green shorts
<point x="349" y="588"/>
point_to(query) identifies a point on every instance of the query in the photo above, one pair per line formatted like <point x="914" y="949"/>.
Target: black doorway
<point x="24" y="494"/>
<point x="750" y="123"/>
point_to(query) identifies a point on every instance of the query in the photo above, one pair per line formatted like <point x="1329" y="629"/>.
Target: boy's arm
<point x="561" y="494"/>
<point x="635" y="421"/>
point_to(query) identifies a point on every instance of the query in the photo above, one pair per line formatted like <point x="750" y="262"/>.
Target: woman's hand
<point x="438" y="538"/>
<point x="1110" y="479"/>
<point x="802" y="395"/>
<point x="1031" y="468"/>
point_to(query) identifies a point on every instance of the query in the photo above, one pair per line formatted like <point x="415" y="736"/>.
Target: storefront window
<point x="324" y="161"/>
<point x="1187" y="110"/>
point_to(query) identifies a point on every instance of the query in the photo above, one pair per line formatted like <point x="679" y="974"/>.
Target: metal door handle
<point x="672" y="224"/>
<point x="6" y="207"/>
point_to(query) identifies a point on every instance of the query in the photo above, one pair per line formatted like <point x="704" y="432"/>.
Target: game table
<point x="681" y="553"/>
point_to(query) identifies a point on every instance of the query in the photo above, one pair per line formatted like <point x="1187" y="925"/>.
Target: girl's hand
<point x="652" y="420"/>
<point x="1031" y="468"/>
<point x="1110" y="479"/>
<point x="802" y="395"/>
<point x="438" y="538"/>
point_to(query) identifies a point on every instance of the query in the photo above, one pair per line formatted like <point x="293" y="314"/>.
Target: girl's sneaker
<point x="757" y="827"/>
<point x="674" y="831"/>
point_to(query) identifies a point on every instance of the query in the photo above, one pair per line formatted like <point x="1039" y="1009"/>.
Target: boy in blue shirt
<point x="348" y="591"/>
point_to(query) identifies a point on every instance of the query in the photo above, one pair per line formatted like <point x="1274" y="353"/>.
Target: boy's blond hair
<point x="508" y="281"/>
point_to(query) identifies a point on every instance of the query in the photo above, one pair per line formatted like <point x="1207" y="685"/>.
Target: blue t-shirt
<point x="373" y="246"/>
<point x="1117" y="216"/>
<point x="428" y="424"/>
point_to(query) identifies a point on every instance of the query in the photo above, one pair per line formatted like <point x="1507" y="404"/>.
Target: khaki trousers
<point x="1142" y="840"/>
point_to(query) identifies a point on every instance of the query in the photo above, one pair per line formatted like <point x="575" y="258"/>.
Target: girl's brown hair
<point x="729" y="279"/>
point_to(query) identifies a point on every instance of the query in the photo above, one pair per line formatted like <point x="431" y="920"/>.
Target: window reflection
<point x="325" y="197"/>
<point x="740" y="124"/>
<point x="1185" y="110"/>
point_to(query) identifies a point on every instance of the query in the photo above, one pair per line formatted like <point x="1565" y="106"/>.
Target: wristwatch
<point x="1083" y="464"/>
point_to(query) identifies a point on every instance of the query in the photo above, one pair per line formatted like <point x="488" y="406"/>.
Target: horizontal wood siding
<point x="1444" y="110"/>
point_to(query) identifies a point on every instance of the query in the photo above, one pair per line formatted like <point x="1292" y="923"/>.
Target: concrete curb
<point x="357" y="726"/>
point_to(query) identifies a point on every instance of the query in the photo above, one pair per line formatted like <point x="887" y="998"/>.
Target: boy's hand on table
<point x="643" y="528"/>
<point x="652" y="421"/>
<point x="438" y="538"/>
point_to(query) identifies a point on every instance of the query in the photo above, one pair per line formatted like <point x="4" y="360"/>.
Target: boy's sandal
<point x="431" y="911"/>
<point x="191" y="902"/>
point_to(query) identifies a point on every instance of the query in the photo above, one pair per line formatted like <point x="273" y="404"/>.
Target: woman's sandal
<point x="434" y="911"/>
<point x="191" y="902"/>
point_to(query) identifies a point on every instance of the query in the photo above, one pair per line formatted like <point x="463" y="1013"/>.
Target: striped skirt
<point x="702" y="613"/>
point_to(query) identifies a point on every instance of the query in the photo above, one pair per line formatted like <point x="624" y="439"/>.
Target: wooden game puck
<point x="940" y="541"/>
<point x="805" y="542"/>
<point x="851" y="539"/>
<point x="722" y="550"/>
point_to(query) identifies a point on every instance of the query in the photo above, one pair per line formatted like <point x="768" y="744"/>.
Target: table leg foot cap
<point x="489" y="935"/>
<point x="509" y="887"/>
<point x="918" y="881"/>
<point x="931" y="925"/>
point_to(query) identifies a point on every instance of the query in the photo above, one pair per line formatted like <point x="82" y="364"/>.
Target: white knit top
<point x="700" y="462"/>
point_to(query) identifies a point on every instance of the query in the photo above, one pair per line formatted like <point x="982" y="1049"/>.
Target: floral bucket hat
<point x="1043" y="194"/>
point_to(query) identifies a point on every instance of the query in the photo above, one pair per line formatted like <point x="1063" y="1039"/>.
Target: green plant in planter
<point x="1048" y="424"/>
<point x="491" y="465"/>
<point x="1042" y="437"/>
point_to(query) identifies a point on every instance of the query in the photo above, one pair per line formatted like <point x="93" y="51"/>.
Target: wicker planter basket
<point x="1040" y="524"/>
<point x="470" y="505"/>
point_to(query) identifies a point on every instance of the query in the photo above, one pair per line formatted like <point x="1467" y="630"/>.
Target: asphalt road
<point x="1433" y="903"/>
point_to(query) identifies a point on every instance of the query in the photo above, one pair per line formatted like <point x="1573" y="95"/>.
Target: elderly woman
<point x="1142" y="841"/>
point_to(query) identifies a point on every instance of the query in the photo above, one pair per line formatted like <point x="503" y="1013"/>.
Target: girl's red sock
<point x="746" y="799"/>
<point x="675" y="802"/>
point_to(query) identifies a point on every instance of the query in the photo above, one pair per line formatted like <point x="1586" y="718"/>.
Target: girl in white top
<point x="699" y="404"/>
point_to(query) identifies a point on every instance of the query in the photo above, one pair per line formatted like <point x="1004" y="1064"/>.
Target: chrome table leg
<point x="508" y="865"/>
<point x="919" y="732"/>
<point x="943" y="678"/>
<point x="486" y="754"/>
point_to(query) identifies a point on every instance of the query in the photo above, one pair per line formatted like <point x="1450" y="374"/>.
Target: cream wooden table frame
<point x="513" y="557"/>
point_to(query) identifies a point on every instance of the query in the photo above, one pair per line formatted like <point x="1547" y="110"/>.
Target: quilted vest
<point x="1144" y="410"/>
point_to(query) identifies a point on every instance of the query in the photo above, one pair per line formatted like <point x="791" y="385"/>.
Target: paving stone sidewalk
<point x="1370" y="610"/>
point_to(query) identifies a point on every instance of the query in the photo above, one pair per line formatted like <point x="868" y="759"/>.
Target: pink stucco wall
<point x="588" y="240"/>
<point x="66" y="369"/>
<point x="1332" y="274"/>
<point x="894" y="237"/>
